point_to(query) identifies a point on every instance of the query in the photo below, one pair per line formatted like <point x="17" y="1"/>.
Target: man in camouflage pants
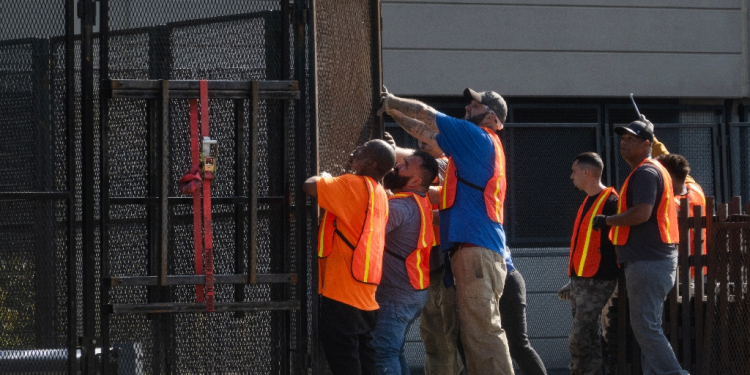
<point x="592" y="267"/>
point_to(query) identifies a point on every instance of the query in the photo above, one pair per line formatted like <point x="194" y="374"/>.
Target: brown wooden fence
<point x="711" y="337"/>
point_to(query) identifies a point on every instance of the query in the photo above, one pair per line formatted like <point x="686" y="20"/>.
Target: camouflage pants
<point x="587" y="298"/>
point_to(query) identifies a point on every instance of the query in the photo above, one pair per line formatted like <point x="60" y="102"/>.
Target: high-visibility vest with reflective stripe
<point x="418" y="262"/>
<point x="367" y="260"/>
<point x="695" y="197"/>
<point x="585" y="245"/>
<point x="494" y="190"/>
<point x="436" y="228"/>
<point x="666" y="213"/>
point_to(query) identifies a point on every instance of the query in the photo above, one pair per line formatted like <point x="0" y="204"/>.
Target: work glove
<point x="385" y="96"/>
<point x="388" y="138"/>
<point x="600" y="221"/>
<point x="325" y="175"/>
<point x="564" y="293"/>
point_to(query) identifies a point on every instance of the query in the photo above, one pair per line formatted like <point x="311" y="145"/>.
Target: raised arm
<point x="416" y="128"/>
<point x="412" y="109"/>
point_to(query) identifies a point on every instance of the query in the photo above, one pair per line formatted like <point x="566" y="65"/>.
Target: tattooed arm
<point x="412" y="109"/>
<point x="415" y="128"/>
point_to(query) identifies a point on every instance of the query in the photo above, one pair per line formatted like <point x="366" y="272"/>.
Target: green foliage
<point x="17" y="297"/>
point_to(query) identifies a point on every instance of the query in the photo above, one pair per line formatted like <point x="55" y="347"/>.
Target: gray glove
<point x="564" y="293"/>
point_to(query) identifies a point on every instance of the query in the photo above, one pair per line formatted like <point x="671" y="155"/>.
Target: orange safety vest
<point x="666" y="213"/>
<point x="367" y="260"/>
<point x="585" y="244"/>
<point x="494" y="190"/>
<point x="418" y="262"/>
<point x="695" y="197"/>
<point x="436" y="228"/>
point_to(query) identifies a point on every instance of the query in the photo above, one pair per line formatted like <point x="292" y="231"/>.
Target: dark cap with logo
<point x="490" y="99"/>
<point x="643" y="129"/>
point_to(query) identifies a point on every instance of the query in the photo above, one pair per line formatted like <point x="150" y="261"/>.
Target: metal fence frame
<point x="87" y="217"/>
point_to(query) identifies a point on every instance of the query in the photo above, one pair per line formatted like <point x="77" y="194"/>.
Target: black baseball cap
<point x="490" y="99"/>
<point x="643" y="129"/>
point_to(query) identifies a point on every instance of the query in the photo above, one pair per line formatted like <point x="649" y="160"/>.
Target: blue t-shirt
<point x="474" y="158"/>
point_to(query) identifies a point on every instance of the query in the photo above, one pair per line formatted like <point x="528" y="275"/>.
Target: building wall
<point x="593" y="48"/>
<point x="695" y="51"/>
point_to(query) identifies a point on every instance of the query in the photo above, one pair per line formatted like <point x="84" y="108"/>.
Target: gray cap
<point x="490" y="99"/>
<point x="639" y="128"/>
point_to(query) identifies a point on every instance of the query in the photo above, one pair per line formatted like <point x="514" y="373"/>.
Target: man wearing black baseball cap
<point x="471" y="216"/>
<point x="644" y="231"/>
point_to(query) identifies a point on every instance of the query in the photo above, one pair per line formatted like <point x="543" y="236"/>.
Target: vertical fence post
<point x="721" y="279"/>
<point x="88" y="205"/>
<point x="252" y="256"/>
<point x="711" y="251"/>
<point x="304" y="58"/>
<point x="240" y="210"/>
<point x="70" y="124"/>
<point x="684" y="288"/>
<point x="376" y="67"/>
<point x="699" y="222"/>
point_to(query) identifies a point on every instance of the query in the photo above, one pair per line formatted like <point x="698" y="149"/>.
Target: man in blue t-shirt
<point x="475" y="242"/>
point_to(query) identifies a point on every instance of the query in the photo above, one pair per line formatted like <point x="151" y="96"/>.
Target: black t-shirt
<point x="644" y="242"/>
<point x="608" y="262"/>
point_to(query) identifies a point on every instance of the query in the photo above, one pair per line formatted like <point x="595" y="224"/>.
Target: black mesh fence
<point x="739" y="136"/>
<point x="52" y="188"/>
<point x="35" y="227"/>
<point x="728" y="305"/>
<point x="222" y="40"/>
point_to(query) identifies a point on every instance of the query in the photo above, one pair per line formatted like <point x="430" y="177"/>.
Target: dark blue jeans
<point x="394" y="320"/>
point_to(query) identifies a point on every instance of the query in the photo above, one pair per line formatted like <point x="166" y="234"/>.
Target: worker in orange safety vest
<point x="645" y="233"/>
<point x="592" y="265"/>
<point x="350" y="250"/>
<point x="406" y="263"/>
<point x="679" y="169"/>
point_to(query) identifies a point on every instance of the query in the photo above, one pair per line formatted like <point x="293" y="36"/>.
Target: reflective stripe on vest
<point x="418" y="261"/>
<point x="584" y="248"/>
<point x="367" y="260"/>
<point x="666" y="213"/>
<point x="493" y="191"/>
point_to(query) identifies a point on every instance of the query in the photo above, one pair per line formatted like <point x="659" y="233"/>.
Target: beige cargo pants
<point x="480" y="277"/>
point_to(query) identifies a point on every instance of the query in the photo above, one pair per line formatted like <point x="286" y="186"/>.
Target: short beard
<point x="393" y="181"/>
<point x="476" y="120"/>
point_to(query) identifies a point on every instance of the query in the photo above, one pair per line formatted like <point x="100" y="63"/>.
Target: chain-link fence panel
<point x="345" y="61"/>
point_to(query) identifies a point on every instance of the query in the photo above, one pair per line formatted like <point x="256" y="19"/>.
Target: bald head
<point x="375" y="158"/>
